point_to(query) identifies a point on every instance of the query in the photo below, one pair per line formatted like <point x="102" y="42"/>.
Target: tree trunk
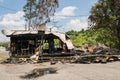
<point x="118" y="36"/>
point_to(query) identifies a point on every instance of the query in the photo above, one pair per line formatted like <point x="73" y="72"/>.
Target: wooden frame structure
<point x="23" y="44"/>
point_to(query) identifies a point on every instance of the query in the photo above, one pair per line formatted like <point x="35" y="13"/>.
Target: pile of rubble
<point x="96" y="53"/>
<point x="85" y="54"/>
<point x="98" y="48"/>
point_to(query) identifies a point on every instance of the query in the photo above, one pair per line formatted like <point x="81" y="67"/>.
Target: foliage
<point x="29" y="10"/>
<point x="106" y="15"/>
<point x="56" y="43"/>
<point x="38" y="12"/>
<point x="88" y="37"/>
<point x="4" y="44"/>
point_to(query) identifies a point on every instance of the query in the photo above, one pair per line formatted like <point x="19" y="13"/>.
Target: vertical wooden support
<point x="51" y="45"/>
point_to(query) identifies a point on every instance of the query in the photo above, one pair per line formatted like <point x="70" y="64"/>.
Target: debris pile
<point x="98" y="48"/>
<point x="96" y="53"/>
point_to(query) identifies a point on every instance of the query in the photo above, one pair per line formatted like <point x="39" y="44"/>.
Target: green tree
<point x="4" y="44"/>
<point x="38" y="12"/>
<point x="30" y="11"/>
<point x="106" y="15"/>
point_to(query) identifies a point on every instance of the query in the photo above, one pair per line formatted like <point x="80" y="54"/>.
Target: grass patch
<point x="2" y="59"/>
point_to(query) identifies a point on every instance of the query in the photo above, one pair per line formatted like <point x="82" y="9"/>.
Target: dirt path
<point x="109" y="71"/>
<point x="3" y="54"/>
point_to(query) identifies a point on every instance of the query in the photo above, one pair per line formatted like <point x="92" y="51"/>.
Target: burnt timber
<point x="23" y="43"/>
<point x="53" y="46"/>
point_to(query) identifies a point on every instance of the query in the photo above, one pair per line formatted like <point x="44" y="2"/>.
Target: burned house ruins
<point x="25" y="43"/>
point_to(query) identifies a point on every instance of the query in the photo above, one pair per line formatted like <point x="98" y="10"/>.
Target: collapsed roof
<point x="62" y="36"/>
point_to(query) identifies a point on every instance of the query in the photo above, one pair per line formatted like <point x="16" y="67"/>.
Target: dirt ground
<point x="109" y="71"/>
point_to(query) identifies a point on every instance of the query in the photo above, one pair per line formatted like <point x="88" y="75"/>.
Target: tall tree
<point x="38" y="12"/>
<point x="106" y="15"/>
<point x="30" y="12"/>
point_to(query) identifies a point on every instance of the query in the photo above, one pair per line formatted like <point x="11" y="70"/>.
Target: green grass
<point x="2" y="59"/>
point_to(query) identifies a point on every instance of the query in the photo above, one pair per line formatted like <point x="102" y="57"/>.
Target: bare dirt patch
<point x="108" y="71"/>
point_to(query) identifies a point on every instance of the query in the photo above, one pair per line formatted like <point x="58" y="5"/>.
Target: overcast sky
<point x="71" y="15"/>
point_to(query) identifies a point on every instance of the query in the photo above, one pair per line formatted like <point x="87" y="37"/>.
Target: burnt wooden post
<point x="51" y="45"/>
<point x="41" y="35"/>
